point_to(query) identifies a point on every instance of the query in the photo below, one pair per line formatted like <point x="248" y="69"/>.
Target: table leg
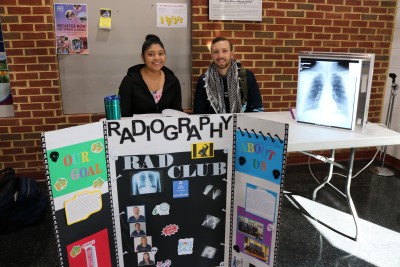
<point x="348" y="184"/>
<point x="347" y="194"/>
<point x="327" y="179"/>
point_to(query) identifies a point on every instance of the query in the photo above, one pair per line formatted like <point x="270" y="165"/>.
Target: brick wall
<point x="269" y="48"/>
<point x="34" y="76"/>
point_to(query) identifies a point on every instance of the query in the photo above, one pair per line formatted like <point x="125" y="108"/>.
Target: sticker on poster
<point x="180" y="189"/>
<point x="210" y="221"/>
<point x="167" y="263"/>
<point x="185" y="246"/>
<point x="162" y="209"/>
<point x="202" y="150"/>
<point x="212" y="192"/>
<point x="82" y="205"/>
<point x="170" y="230"/>
<point x="92" y="250"/>
<point x="208" y="252"/>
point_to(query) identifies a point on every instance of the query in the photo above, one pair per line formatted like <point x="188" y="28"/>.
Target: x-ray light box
<point x="333" y="89"/>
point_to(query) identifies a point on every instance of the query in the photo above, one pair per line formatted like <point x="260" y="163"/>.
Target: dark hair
<point x="150" y="40"/>
<point x="219" y="39"/>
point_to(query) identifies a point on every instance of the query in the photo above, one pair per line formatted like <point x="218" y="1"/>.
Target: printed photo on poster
<point x="146" y="182"/>
<point x="142" y="244"/>
<point x="254" y="234"/>
<point x="71" y="29"/>
<point x="136" y="213"/>
<point x="208" y="252"/>
<point x="256" y="249"/>
<point x="137" y="229"/>
<point x="146" y="258"/>
<point x="251" y="227"/>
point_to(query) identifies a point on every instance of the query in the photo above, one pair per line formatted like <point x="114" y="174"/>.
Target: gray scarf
<point x="215" y="91"/>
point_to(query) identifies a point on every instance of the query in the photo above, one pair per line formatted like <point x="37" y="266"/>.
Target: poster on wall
<point x="248" y="10"/>
<point x="6" y="107"/>
<point x="76" y="172"/>
<point x="71" y="24"/>
<point x="199" y="190"/>
<point x="172" y="15"/>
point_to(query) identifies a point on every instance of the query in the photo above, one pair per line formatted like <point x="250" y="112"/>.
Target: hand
<point x="207" y="189"/>
<point x="216" y="193"/>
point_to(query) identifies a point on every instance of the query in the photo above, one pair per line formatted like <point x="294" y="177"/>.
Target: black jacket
<point x="135" y="97"/>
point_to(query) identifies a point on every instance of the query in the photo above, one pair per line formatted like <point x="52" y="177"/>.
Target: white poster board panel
<point x="260" y="160"/>
<point x="172" y="174"/>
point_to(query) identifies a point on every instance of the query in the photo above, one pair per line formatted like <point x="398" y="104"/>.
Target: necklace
<point x="153" y="87"/>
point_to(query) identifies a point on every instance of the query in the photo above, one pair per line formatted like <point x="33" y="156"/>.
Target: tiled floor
<point x="302" y="241"/>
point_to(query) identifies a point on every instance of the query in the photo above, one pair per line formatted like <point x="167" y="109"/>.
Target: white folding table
<point x="304" y="138"/>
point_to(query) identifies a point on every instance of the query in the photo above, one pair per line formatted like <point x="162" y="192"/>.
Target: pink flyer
<point x="71" y="29"/>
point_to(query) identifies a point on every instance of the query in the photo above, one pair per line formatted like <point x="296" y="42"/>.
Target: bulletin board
<point x="87" y="79"/>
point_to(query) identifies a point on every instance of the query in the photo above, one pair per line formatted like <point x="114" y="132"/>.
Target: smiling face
<point x="222" y="55"/>
<point x="154" y="57"/>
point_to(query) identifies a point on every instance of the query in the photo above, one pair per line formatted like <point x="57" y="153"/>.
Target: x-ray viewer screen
<point x="326" y="92"/>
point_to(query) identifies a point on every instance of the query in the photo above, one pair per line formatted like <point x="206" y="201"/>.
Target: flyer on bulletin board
<point x="71" y="24"/>
<point x="105" y="18"/>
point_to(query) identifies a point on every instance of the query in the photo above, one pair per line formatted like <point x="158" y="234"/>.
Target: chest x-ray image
<point x="146" y="182"/>
<point x="326" y="92"/>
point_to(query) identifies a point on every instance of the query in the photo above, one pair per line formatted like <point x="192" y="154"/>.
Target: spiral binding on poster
<point x="110" y="190"/>
<point x="53" y="209"/>
<point x="283" y="174"/>
<point x="231" y="218"/>
<point x="256" y="135"/>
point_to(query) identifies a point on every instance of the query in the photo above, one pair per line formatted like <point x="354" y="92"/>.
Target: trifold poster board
<point x="201" y="190"/>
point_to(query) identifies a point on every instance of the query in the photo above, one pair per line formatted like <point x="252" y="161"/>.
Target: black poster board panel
<point x="190" y="214"/>
<point x="72" y="233"/>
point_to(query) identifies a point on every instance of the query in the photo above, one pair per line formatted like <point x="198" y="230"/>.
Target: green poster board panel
<point x="76" y="167"/>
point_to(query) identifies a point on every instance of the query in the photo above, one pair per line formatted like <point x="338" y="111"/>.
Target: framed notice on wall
<point x="247" y="10"/>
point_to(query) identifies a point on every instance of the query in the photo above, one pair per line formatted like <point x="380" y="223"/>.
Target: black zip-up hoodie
<point x="135" y="97"/>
